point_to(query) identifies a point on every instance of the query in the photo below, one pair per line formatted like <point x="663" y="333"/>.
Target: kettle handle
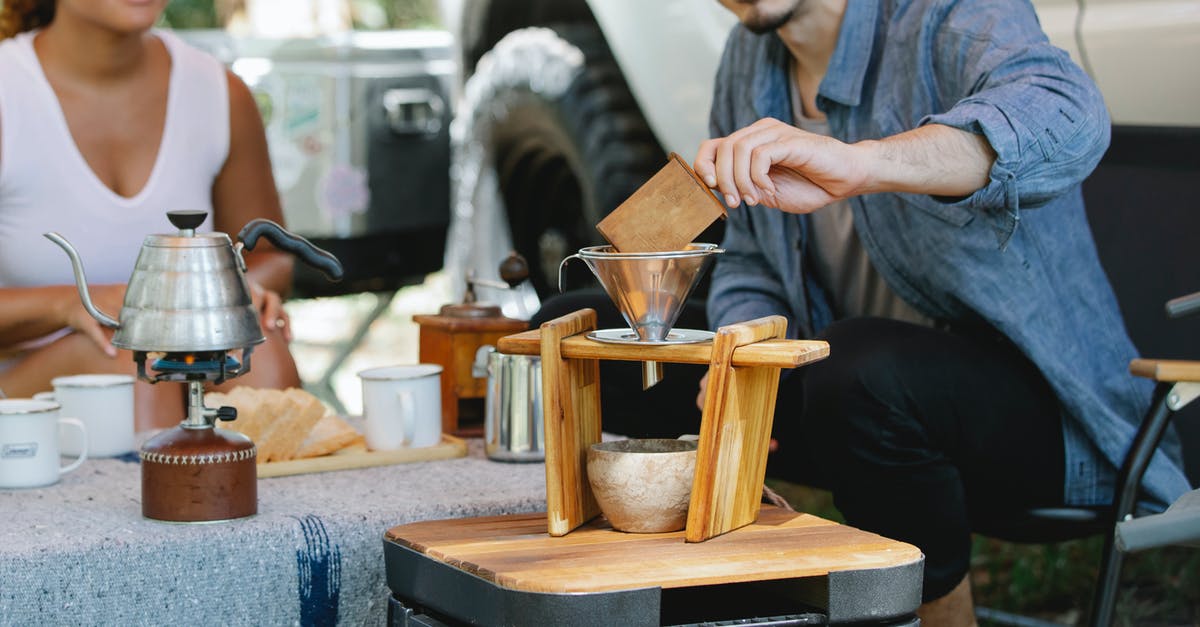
<point x="283" y="239"/>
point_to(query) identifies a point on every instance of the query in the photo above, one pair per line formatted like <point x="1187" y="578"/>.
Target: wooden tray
<point x="515" y="552"/>
<point x="449" y="448"/>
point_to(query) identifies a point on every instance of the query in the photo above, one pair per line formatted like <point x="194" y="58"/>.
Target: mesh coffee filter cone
<point x="649" y="289"/>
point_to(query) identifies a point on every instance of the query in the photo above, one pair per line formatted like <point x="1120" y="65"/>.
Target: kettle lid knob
<point x="187" y="220"/>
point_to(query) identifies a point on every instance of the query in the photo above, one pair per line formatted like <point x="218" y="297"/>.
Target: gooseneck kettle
<point x="188" y="290"/>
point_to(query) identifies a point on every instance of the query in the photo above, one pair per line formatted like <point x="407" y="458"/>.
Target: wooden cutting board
<point x="449" y="448"/>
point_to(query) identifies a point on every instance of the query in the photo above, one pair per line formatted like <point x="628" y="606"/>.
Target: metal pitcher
<point x="513" y="430"/>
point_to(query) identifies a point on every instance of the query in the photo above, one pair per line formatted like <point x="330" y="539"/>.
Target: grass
<point x="1054" y="582"/>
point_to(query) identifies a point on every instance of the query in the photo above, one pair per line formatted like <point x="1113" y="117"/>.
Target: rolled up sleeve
<point x="1043" y="116"/>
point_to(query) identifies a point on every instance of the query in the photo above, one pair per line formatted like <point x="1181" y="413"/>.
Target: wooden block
<point x="666" y="213"/>
<point x="571" y="417"/>
<point x="735" y="431"/>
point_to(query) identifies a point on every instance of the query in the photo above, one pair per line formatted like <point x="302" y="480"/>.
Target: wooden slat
<point x="571" y="417"/>
<point x="516" y="553"/>
<point x="1166" y="369"/>
<point x="735" y="431"/>
<point x="778" y="353"/>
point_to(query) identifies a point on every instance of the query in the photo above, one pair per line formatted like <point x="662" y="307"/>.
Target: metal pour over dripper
<point x="649" y="289"/>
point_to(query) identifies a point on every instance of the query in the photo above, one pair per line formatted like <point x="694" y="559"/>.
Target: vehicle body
<point x="358" y="128"/>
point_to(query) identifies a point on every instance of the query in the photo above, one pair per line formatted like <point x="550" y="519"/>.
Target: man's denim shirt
<point x="1017" y="253"/>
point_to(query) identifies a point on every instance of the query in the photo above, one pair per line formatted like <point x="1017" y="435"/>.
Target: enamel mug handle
<point x="83" y="444"/>
<point x="408" y="415"/>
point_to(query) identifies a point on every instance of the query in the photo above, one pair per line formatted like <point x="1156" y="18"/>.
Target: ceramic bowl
<point x="643" y="485"/>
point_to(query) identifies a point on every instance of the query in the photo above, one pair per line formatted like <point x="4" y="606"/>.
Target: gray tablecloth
<point x="80" y="553"/>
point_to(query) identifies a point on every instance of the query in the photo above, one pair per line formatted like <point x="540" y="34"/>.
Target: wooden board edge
<point x="450" y="447"/>
<point x="704" y="186"/>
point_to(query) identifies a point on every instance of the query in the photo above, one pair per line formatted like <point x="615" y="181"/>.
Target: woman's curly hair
<point x="18" y="16"/>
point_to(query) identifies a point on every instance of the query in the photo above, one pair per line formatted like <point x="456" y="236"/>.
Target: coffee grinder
<point x="188" y="318"/>
<point x="454" y="336"/>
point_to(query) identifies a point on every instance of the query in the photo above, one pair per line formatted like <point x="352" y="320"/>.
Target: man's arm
<point x="1016" y="123"/>
<point x="779" y="165"/>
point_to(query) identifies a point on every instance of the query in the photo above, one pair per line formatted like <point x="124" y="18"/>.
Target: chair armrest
<point x="1180" y="524"/>
<point x="1166" y="369"/>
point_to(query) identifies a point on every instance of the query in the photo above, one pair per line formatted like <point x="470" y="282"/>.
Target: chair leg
<point x="1129" y="480"/>
<point x="1104" y="601"/>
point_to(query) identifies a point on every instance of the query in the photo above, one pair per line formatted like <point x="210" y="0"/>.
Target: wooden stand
<point x="744" y="363"/>
<point x="452" y="341"/>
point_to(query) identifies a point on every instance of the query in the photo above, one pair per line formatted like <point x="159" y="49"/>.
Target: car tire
<point x="548" y="140"/>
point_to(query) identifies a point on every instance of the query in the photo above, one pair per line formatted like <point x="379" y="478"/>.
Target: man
<point x="906" y="177"/>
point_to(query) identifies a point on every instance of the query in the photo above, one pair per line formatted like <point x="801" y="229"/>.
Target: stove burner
<point x="215" y="366"/>
<point x="185" y="364"/>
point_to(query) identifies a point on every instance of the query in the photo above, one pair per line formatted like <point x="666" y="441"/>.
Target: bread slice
<point x="301" y="413"/>
<point x="238" y="402"/>
<point x="329" y="435"/>
<point x="252" y="419"/>
<point x="283" y="423"/>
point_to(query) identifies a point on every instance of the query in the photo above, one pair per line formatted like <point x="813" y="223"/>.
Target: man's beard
<point x="760" y="23"/>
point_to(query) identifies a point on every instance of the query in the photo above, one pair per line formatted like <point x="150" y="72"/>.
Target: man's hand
<point x="781" y="166"/>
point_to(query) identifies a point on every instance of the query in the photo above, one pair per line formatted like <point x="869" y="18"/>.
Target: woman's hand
<point x="106" y="298"/>
<point x="271" y="314"/>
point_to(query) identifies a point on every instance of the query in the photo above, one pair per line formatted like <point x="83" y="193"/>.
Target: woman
<point x="106" y="124"/>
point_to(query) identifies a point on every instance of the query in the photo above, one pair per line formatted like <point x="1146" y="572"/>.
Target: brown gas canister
<point x="199" y="475"/>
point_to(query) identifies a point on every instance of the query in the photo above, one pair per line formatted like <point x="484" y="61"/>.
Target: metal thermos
<point x="513" y="412"/>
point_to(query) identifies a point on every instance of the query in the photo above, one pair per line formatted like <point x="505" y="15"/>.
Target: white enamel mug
<point x="402" y="406"/>
<point x="104" y="402"/>
<point x="29" y="443"/>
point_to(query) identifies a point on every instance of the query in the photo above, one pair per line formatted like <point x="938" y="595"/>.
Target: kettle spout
<point x="81" y="282"/>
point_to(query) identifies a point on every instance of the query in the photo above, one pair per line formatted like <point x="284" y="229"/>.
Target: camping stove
<point x="188" y="305"/>
<point x="195" y="472"/>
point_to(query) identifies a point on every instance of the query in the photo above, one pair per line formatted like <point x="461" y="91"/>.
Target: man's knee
<point x="863" y="362"/>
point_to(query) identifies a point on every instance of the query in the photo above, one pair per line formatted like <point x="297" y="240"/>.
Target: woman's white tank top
<point x="47" y="185"/>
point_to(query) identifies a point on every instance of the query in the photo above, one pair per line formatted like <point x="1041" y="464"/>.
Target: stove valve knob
<point x="227" y="413"/>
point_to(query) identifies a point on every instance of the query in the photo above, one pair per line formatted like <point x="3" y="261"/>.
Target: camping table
<point x="787" y="568"/>
<point x="79" y="552"/>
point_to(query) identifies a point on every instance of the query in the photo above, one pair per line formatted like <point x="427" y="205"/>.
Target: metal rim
<point x="606" y="252"/>
<point x="97" y="380"/>
<point x="210" y="239"/>
<point x="27" y="406"/>
<point x="400" y="372"/>
<point x="629" y="336"/>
